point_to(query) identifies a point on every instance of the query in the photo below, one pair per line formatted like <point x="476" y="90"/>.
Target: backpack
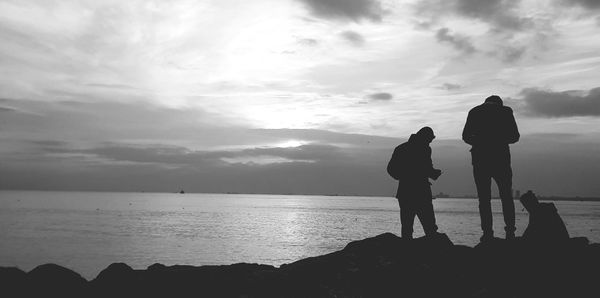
<point x="394" y="167"/>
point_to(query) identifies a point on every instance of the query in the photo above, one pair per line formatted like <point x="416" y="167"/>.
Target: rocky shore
<point x="381" y="266"/>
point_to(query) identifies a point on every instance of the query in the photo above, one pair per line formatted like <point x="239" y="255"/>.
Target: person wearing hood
<point x="411" y="165"/>
<point x="489" y="129"/>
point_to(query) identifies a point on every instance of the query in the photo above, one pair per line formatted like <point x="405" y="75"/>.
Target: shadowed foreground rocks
<point x="382" y="266"/>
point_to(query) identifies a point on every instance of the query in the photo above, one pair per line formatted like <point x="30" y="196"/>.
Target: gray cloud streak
<point x="311" y="42"/>
<point x="353" y="37"/>
<point x="459" y="42"/>
<point x="181" y="156"/>
<point x="511" y="54"/>
<point x="381" y="96"/>
<point x="450" y="86"/>
<point x="353" y="10"/>
<point x="7" y="109"/>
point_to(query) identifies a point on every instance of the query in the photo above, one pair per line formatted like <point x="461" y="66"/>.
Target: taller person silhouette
<point x="490" y="128"/>
<point x="411" y="165"/>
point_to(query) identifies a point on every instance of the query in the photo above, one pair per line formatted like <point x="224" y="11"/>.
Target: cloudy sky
<point x="291" y="96"/>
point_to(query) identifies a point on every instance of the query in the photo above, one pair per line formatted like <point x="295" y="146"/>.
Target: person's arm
<point x="512" y="135"/>
<point x="468" y="134"/>
<point x="432" y="172"/>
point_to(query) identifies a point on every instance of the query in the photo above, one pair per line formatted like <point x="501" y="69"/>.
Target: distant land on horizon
<point x="437" y="197"/>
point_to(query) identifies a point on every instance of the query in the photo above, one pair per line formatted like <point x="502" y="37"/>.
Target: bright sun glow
<point x="291" y="144"/>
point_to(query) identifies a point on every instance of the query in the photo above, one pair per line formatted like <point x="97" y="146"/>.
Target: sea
<point x="87" y="231"/>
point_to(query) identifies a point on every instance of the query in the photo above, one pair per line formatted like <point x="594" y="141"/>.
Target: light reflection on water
<point x="86" y="231"/>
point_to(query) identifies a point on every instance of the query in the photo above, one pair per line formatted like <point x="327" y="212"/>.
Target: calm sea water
<point x="86" y="231"/>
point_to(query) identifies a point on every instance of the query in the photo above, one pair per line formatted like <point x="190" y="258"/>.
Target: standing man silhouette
<point x="490" y="128"/>
<point x="411" y="165"/>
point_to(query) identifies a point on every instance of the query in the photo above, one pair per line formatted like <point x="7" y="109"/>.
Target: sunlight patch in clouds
<point x="261" y="160"/>
<point x="291" y="144"/>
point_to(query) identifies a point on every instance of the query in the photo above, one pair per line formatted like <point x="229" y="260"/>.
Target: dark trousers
<point x="483" y="180"/>
<point x="423" y="208"/>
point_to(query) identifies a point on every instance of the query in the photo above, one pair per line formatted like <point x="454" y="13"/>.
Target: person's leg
<point x="504" y="180"/>
<point x="427" y="217"/>
<point x="483" y="182"/>
<point x="407" y="218"/>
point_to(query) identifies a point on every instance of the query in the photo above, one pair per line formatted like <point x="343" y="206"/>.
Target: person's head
<point x="494" y="99"/>
<point x="425" y="134"/>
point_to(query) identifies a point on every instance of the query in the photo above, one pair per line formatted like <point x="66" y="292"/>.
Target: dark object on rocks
<point x="381" y="266"/>
<point x="544" y="222"/>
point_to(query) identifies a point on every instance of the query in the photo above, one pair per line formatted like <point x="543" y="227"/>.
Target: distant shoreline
<point x="541" y="198"/>
<point x="564" y="199"/>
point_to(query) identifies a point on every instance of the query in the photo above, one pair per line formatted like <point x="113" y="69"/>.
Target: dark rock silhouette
<point x="381" y="266"/>
<point x="56" y="280"/>
<point x="12" y="280"/>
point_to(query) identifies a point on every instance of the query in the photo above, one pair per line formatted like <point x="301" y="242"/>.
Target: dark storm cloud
<point x="353" y="10"/>
<point x="353" y="37"/>
<point x="381" y="96"/>
<point x="459" y="42"/>
<point x="500" y="14"/>
<point x="561" y="104"/>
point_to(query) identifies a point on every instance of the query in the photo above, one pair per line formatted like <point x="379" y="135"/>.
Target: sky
<point x="291" y="96"/>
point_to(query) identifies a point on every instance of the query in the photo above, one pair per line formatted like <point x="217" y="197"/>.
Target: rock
<point x="12" y="280"/>
<point x="115" y="272"/>
<point x="116" y="279"/>
<point x="55" y="281"/>
<point x="380" y="266"/>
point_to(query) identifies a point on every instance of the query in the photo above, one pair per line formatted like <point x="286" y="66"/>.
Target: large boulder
<point x="51" y="280"/>
<point x="118" y="279"/>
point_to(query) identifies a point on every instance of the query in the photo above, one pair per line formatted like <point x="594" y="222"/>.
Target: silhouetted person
<point x="490" y="128"/>
<point x="411" y="165"/>
<point x="544" y="222"/>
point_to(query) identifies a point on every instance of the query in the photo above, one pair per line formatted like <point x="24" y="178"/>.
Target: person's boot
<point x="487" y="237"/>
<point x="510" y="233"/>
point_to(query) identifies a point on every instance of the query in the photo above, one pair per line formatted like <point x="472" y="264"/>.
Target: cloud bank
<point x="543" y="103"/>
<point x="501" y="15"/>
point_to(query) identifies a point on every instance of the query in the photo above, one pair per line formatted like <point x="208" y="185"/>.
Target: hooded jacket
<point x="414" y="159"/>
<point x="489" y="129"/>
